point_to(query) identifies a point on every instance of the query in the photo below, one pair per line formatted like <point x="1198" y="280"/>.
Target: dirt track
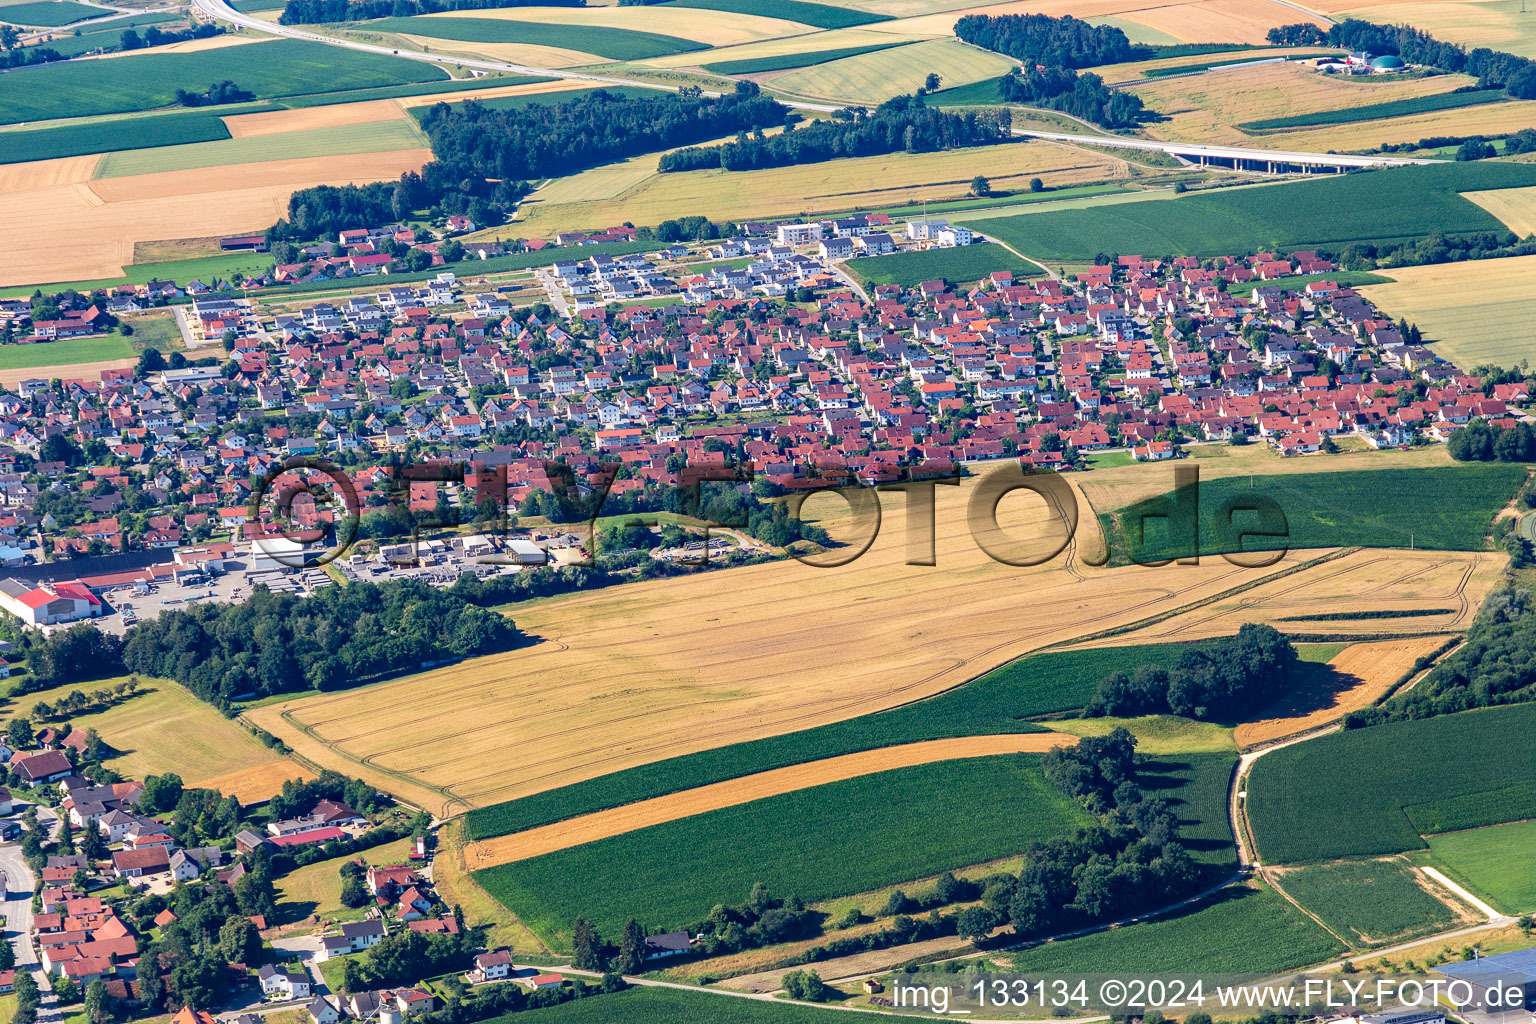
<point x="602" y="824"/>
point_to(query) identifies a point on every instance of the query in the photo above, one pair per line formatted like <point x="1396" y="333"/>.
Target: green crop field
<point x="783" y="62"/>
<point x="370" y="137"/>
<point x="675" y="1006"/>
<point x="48" y="14"/>
<point x="908" y="823"/>
<point x="613" y="43"/>
<point x="111" y="136"/>
<point x="390" y="92"/>
<point x="816" y="15"/>
<point x="107" y="35"/>
<point x="1497" y="863"/>
<point x="962" y="264"/>
<point x="540" y="98"/>
<point x="998" y="702"/>
<point x="282" y="67"/>
<point x="1344" y="795"/>
<point x="1375" y="111"/>
<point x="1379" y="205"/>
<point x="1369" y="902"/>
<point x="1472" y="810"/>
<point x="1242" y="931"/>
<point x="63" y="353"/>
<point x="1445" y="508"/>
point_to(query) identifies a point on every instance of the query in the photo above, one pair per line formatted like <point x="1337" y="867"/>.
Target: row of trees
<point x="217" y="93"/>
<point x="156" y="36"/>
<point x="1496" y="665"/>
<point x="1481" y="441"/>
<point x="338" y="638"/>
<point x="1084" y="96"/>
<point x="1224" y="681"/>
<point x="904" y="123"/>
<point x="1492" y="68"/>
<point x="484" y="156"/>
<point x="543" y="140"/>
<point x="1064" y="42"/>
<point x="311" y="12"/>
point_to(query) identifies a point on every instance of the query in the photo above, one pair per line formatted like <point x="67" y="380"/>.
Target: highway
<point x="221" y="10"/>
<point x="1196" y="151"/>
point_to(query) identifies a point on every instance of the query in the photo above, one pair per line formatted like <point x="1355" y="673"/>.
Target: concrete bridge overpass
<point x="1262" y="161"/>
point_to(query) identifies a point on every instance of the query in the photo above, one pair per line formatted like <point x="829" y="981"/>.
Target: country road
<point x="221" y="10"/>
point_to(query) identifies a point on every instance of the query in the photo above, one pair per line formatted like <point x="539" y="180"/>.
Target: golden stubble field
<point x="651" y="670"/>
<point x="1364" y="673"/>
<point x="1475" y="312"/>
<point x="93" y="226"/>
<point x="634" y="192"/>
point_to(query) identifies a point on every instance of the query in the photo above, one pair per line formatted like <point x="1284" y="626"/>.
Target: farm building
<point x="1489" y="976"/>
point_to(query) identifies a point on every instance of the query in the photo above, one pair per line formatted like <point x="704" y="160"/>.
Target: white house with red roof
<point x="46" y="604"/>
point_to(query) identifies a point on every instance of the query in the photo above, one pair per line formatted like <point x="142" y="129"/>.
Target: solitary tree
<point x="631" y="948"/>
<point x="931" y="83"/>
<point x="1036" y="185"/>
<point x="588" y="946"/>
<point x="980" y="186"/>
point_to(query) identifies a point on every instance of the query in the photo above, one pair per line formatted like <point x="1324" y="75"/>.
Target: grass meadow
<point x="163" y="729"/>
<point x="1242" y="930"/>
<point x="65" y="352"/>
<point x="1447" y="508"/>
<point x="905" y="824"/>
<point x="1369" y="902"/>
<point x="961" y="264"/>
<point x="1344" y="795"/>
<point x="282" y="67"/>
<point x="316" y="888"/>
<point x="1497" y="863"/>
<point x="613" y="43"/>
<point x="1380" y="205"/>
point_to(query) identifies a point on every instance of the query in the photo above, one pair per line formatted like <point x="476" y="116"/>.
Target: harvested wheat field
<point x="871" y="182"/>
<point x="492" y="92"/>
<point x="717" y="28"/>
<point x="530" y="54"/>
<point x="1368" y="579"/>
<point x="254" y="785"/>
<point x="94" y="225"/>
<point x="1202" y="21"/>
<point x="1516" y="207"/>
<point x="66" y="170"/>
<point x="629" y="817"/>
<point x="1500" y="24"/>
<point x="1475" y="312"/>
<point x="336" y="115"/>
<point x="1361" y="675"/>
<point x="1117" y="74"/>
<point x="1207" y="108"/>
<point x="646" y="671"/>
<point x="189" y="46"/>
